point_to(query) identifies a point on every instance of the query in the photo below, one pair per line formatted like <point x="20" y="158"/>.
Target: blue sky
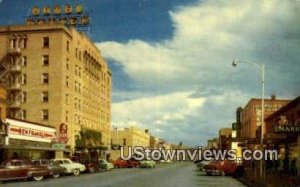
<point x="171" y="59"/>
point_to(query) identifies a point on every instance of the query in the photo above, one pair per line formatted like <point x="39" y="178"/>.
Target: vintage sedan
<point x="22" y="169"/>
<point x="132" y="163"/>
<point x="70" y="166"/>
<point x="120" y="163"/>
<point x="224" y="167"/>
<point x="56" y="170"/>
<point x="104" y="165"/>
<point x="147" y="164"/>
<point x="201" y="164"/>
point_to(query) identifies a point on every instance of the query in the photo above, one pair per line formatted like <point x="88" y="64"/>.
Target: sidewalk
<point x="251" y="178"/>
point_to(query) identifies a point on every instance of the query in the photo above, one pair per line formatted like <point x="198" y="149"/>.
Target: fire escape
<point x="10" y="74"/>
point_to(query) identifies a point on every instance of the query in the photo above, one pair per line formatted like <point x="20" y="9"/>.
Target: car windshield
<point x="67" y="162"/>
<point x="45" y="162"/>
<point x="57" y="162"/>
<point x="35" y="162"/>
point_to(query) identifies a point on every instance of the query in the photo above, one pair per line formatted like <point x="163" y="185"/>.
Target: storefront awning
<point x="35" y="148"/>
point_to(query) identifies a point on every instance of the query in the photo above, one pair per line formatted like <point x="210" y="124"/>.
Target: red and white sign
<point x="29" y="131"/>
<point x="63" y="133"/>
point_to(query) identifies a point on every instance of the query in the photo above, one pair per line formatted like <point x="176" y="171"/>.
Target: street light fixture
<point x="262" y="69"/>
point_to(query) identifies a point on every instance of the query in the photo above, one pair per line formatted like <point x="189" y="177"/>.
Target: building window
<point x="67" y="116"/>
<point x="68" y="46"/>
<point x="25" y="43"/>
<point x="13" y="43"/>
<point x="75" y="103"/>
<point x="23" y="114"/>
<point x="75" y="86"/>
<point x="45" y="78"/>
<point x="45" y="61"/>
<point x="124" y="141"/>
<point x="45" y="114"/>
<point x="46" y="42"/>
<point x="23" y="79"/>
<point x="67" y="99"/>
<point x="45" y="96"/>
<point x="24" y="61"/>
<point x="67" y="64"/>
<point x="23" y="97"/>
<point x="76" y="53"/>
<point x="76" y="118"/>
<point x="76" y="70"/>
<point x="67" y="81"/>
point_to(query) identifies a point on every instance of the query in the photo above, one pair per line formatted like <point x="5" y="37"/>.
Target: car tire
<point x="92" y="170"/>
<point x="38" y="177"/>
<point x="56" y="175"/>
<point x="76" y="172"/>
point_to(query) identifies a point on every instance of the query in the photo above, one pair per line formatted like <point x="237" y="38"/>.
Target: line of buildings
<point x="281" y="130"/>
<point x="132" y="137"/>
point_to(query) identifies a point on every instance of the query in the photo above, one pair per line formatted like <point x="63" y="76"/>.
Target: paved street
<point x="175" y="174"/>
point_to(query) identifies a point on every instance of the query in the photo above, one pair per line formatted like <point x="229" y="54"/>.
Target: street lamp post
<point x="262" y="69"/>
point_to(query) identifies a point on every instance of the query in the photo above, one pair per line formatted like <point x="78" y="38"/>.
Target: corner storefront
<point x="28" y="140"/>
<point x="283" y="134"/>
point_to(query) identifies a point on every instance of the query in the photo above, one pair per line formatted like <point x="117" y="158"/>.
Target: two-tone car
<point x="147" y="164"/>
<point x="56" y="169"/>
<point x="22" y="169"/>
<point x="224" y="167"/>
<point x="104" y="165"/>
<point x="70" y="166"/>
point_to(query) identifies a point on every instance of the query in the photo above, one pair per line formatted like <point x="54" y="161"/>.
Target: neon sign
<point x="68" y="15"/>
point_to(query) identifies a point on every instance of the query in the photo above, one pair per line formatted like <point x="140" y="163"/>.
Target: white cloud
<point x="207" y="36"/>
<point x="159" y="110"/>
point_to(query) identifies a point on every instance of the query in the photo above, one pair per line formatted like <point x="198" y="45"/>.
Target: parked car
<point x="70" y="166"/>
<point x="22" y="169"/>
<point x="104" y="165"/>
<point x="120" y="163"/>
<point x="224" y="167"/>
<point x="91" y="165"/>
<point x="132" y="163"/>
<point x="147" y="164"/>
<point x="56" y="170"/>
<point x="202" y="164"/>
<point x="165" y="161"/>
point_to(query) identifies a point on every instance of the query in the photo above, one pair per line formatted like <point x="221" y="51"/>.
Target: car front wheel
<point x="92" y="170"/>
<point x="38" y="177"/>
<point x="76" y="172"/>
<point x="56" y="175"/>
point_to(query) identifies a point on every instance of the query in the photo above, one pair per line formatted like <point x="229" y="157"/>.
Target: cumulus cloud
<point x="156" y="110"/>
<point x="195" y="63"/>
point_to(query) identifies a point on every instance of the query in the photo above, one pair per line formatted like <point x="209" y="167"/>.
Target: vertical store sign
<point x="63" y="133"/>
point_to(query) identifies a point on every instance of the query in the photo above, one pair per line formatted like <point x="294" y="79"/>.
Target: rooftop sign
<point x="68" y="15"/>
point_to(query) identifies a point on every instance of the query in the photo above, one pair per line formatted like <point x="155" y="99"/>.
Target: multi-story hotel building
<point x="128" y="137"/>
<point x="251" y="114"/>
<point x="56" y="75"/>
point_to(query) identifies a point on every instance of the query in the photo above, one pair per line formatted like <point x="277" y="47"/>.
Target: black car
<point x="56" y="170"/>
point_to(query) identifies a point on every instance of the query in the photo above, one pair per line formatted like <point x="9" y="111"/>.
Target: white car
<point x="71" y="167"/>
